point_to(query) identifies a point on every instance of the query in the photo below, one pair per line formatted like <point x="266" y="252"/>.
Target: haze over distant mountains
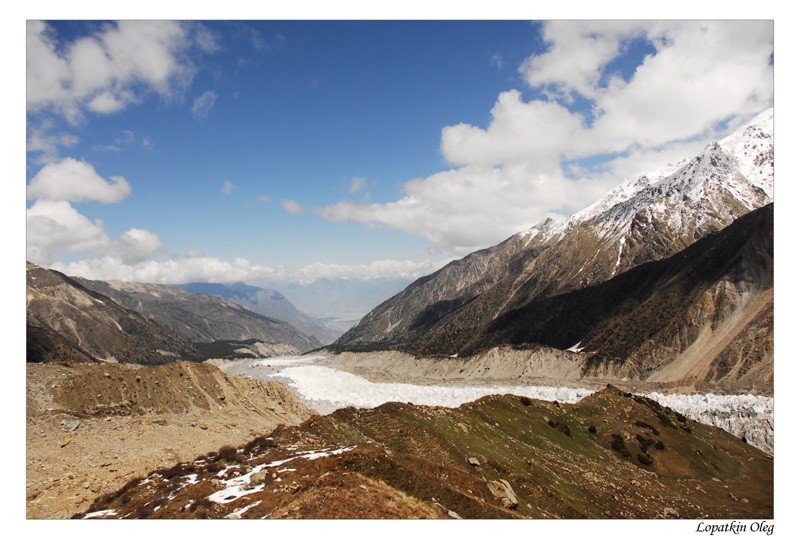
<point x="571" y="285"/>
<point x="268" y="302"/>
<point x="340" y="303"/>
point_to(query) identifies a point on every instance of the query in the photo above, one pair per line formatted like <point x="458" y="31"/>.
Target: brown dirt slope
<point x="614" y="455"/>
<point x="90" y="428"/>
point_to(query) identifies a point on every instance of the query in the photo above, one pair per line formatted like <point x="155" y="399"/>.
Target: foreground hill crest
<point x="613" y="455"/>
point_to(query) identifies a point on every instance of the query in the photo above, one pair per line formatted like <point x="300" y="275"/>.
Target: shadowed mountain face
<point x="702" y="317"/>
<point x="203" y="318"/>
<point x="267" y="302"/>
<point x="562" y="284"/>
<point x="613" y="455"/>
<point x="67" y="321"/>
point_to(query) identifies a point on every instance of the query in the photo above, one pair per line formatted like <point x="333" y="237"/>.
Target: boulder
<point x="502" y="490"/>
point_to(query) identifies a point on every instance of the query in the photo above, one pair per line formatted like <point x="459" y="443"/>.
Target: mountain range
<point x="656" y="275"/>
<point x="267" y="302"/>
<point x="85" y="320"/>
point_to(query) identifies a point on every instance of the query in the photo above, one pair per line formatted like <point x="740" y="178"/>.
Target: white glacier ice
<point x="326" y="389"/>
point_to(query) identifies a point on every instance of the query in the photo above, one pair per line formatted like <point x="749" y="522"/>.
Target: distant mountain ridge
<point x="267" y="302"/>
<point x="650" y="218"/>
<point x="202" y="318"/>
<point x="68" y="321"/>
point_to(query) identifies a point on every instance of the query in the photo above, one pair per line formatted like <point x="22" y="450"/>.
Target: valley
<point x="616" y="365"/>
<point x="327" y="383"/>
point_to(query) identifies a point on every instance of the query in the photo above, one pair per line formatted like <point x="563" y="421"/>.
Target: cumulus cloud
<point x="385" y="268"/>
<point x="110" y="69"/>
<point x="507" y="176"/>
<point x="203" y="104"/>
<point x="137" y="245"/>
<point x="76" y="180"/>
<point x="54" y="227"/>
<point x="195" y="267"/>
<point x="474" y="206"/>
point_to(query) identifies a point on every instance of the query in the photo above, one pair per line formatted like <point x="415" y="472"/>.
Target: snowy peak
<point x="737" y="171"/>
<point x="544" y="230"/>
<point x="753" y="148"/>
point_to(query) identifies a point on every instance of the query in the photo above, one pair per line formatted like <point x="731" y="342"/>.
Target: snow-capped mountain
<point x="691" y="197"/>
<point x="650" y="218"/>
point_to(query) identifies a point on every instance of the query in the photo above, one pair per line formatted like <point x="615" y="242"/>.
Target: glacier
<point x="326" y="389"/>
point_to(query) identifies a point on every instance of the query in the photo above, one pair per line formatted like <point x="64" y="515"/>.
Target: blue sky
<point x="291" y="150"/>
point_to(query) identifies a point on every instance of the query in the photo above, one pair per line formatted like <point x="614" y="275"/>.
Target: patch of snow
<point x="575" y="348"/>
<point x="100" y="514"/>
<point x="309" y="455"/>
<point x="234" y="492"/>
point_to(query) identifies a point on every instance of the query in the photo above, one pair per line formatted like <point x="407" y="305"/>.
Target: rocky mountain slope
<point x="613" y="455"/>
<point x="90" y="428"/>
<point x="650" y="218"/>
<point x="66" y="320"/>
<point x="269" y="303"/>
<point x="702" y="317"/>
<point x="203" y="318"/>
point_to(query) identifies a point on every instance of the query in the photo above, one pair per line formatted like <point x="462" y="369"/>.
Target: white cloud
<point x="264" y="199"/>
<point x="76" y="180"/>
<point x="509" y="175"/>
<point x="137" y="245"/>
<point x="196" y="267"/>
<point x="203" y="104"/>
<point x="227" y="187"/>
<point x="385" y="268"/>
<point x="519" y="131"/>
<point x="292" y="207"/>
<point x="474" y="206"/>
<point x="578" y="52"/>
<point x="110" y="69"/>
<point x="54" y="227"/>
<point x="42" y="139"/>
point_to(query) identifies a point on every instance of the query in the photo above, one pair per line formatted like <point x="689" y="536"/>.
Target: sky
<point x="285" y="151"/>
